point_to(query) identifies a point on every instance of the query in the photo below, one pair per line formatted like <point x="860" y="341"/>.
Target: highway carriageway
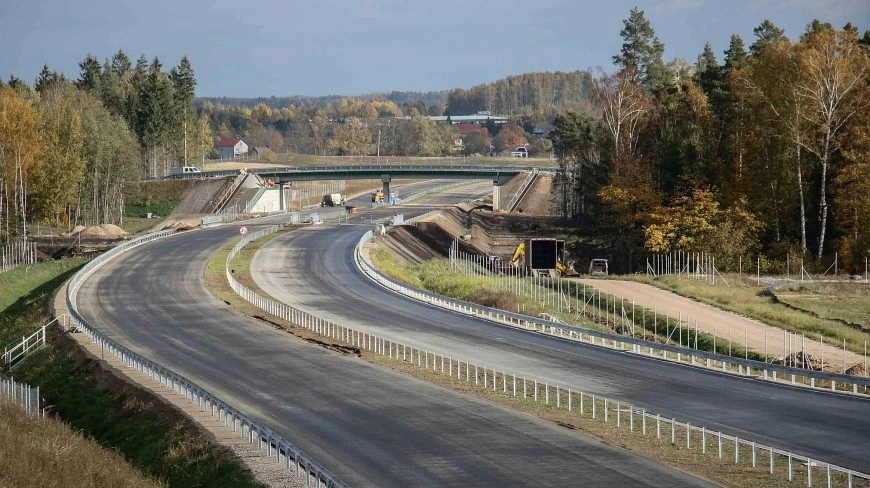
<point x="368" y="425"/>
<point x="314" y="270"/>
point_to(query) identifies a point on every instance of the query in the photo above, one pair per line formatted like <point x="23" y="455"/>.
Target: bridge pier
<point x="497" y="181"/>
<point x="385" y="179"/>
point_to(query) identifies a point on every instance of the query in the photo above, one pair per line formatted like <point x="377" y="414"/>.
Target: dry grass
<point x="48" y="453"/>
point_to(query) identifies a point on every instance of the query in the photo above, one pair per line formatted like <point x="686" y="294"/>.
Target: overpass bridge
<point x="500" y="174"/>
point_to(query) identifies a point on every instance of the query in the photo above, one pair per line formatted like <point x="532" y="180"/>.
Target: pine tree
<point x="121" y="64"/>
<point x="183" y="84"/>
<point x="155" y="113"/>
<point x="89" y="79"/>
<point x="642" y="53"/>
<point x="766" y="35"/>
<point x="735" y="56"/>
<point x="46" y="79"/>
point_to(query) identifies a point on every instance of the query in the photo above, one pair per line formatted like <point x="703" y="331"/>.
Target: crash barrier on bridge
<point x="15" y="353"/>
<point x="841" y="383"/>
<point x="439" y="189"/>
<point x="341" y="172"/>
<point x="21" y="393"/>
<point x="589" y="406"/>
<point x="254" y="431"/>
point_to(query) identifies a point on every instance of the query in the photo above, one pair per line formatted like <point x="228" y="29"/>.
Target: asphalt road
<point x="368" y="425"/>
<point x="314" y="271"/>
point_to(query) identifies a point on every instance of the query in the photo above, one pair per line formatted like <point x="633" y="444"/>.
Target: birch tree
<point x="833" y="82"/>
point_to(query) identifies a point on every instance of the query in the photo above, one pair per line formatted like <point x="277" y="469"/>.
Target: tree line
<point x="766" y="151"/>
<point x="72" y="151"/>
<point x="307" y="124"/>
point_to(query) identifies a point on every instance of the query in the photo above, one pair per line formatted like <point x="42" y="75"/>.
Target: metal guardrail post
<point x="190" y="390"/>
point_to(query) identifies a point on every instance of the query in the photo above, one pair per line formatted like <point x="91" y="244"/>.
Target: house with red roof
<point x="231" y="147"/>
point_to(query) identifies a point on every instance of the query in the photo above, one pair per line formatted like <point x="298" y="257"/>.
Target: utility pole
<point x="379" y="146"/>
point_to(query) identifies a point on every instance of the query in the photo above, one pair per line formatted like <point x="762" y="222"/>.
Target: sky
<point x="266" y="48"/>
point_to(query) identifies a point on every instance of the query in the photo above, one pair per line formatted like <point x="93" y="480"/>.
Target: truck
<point x="332" y="200"/>
<point x="378" y="196"/>
<point x="520" y="152"/>
<point x="183" y="170"/>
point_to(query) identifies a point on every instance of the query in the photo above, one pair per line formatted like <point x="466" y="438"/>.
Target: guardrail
<point x="586" y="405"/>
<point x="441" y="188"/>
<point x="275" y="444"/>
<point x="21" y="393"/>
<point x="386" y="168"/>
<point x="740" y="366"/>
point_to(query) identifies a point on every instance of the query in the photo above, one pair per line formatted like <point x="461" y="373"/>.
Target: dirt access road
<point x="720" y="323"/>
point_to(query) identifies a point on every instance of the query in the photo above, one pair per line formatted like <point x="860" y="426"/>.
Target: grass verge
<point x="23" y="293"/>
<point x="435" y="275"/>
<point x="106" y="414"/>
<point x="760" y="303"/>
<point x="152" y="435"/>
<point x="721" y="470"/>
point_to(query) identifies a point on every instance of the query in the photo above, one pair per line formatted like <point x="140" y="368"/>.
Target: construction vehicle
<point x="378" y="196"/>
<point x="332" y="200"/>
<point x="551" y="259"/>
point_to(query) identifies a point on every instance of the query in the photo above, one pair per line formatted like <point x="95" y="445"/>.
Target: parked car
<point x="599" y="267"/>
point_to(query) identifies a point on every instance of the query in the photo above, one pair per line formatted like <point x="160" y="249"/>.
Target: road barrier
<point x="276" y="445"/>
<point x="595" y="407"/>
<point x="841" y="383"/>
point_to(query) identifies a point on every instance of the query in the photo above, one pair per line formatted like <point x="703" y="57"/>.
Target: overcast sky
<point x="349" y="47"/>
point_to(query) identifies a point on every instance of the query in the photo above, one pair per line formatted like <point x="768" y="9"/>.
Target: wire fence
<point x="567" y="301"/>
<point x="22" y="394"/>
<point x="746" y="453"/>
<point x="17" y="253"/>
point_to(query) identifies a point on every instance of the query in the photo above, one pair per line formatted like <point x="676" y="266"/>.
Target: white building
<point x="231" y="147"/>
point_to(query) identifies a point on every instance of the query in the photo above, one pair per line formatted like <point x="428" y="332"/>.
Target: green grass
<point x="131" y="422"/>
<point x="23" y="293"/>
<point x="847" y="302"/>
<point x="158" y="208"/>
<point x="745" y="298"/>
<point x="435" y="275"/>
<point x="137" y="226"/>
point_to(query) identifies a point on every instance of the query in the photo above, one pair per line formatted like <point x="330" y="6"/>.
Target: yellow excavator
<point x="520" y="253"/>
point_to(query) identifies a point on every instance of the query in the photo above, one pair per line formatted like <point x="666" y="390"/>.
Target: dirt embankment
<point x="476" y="229"/>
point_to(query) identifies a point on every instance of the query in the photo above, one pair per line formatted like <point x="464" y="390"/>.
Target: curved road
<point x="368" y="425"/>
<point x="314" y="270"/>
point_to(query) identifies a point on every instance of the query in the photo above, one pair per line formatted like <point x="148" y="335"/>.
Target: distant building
<point x="231" y="147"/>
<point x="466" y="130"/>
<point x="543" y="130"/>
<point x="259" y="151"/>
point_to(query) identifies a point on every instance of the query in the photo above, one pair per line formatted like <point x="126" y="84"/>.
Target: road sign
<point x="243" y="230"/>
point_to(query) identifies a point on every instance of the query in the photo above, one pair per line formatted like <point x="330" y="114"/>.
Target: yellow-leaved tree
<point x="696" y="222"/>
<point x="20" y="153"/>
